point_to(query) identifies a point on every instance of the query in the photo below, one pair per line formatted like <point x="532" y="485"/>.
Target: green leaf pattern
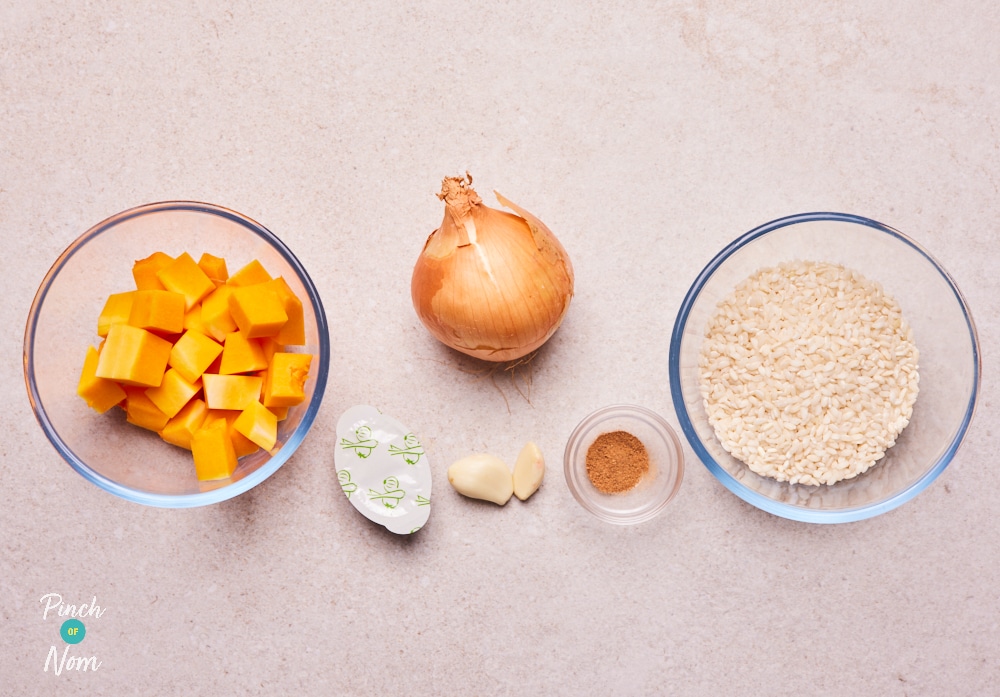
<point x="411" y="450"/>
<point x="391" y="494"/>
<point x="383" y="470"/>
<point x="349" y="487"/>
<point x="363" y="446"/>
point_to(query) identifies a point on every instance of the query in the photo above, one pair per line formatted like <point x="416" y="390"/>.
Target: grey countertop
<point x="647" y="135"/>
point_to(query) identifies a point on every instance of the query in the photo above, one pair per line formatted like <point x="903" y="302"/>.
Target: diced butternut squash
<point x="285" y="379"/>
<point x="144" y="271"/>
<point x="270" y="347"/>
<point x="293" y="331"/>
<point x="258" y="424"/>
<point x="241" y="444"/>
<point x="257" y="310"/>
<point x="192" y="320"/>
<point x="173" y="392"/>
<point x="199" y="357"/>
<point x="101" y="394"/>
<point x="214" y="267"/>
<point x="180" y="429"/>
<point x="251" y="274"/>
<point x="158" y="311"/>
<point x="214" y="367"/>
<point x="215" y="313"/>
<point x="184" y="276"/>
<point x="241" y="355"/>
<point x="116" y="310"/>
<point x="133" y="356"/>
<point x="230" y="391"/>
<point x="141" y="411"/>
<point x="214" y="455"/>
<point x="193" y="353"/>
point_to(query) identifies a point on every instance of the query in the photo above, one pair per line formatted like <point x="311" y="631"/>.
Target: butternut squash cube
<point x="184" y="276"/>
<point x="284" y="383"/>
<point x="214" y="267"/>
<point x="280" y="413"/>
<point x="180" y="429"/>
<point x="158" y="311"/>
<point x="99" y="393"/>
<point x="133" y="356"/>
<point x="116" y="309"/>
<point x="173" y="392"/>
<point x="270" y="347"/>
<point x="214" y="367"/>
<point x="193" y="353"/>
<point x="215" y="313"/>
<point x="192" y="320"/>
<point x="257" y="310"/>
<point x="258" y="424"/>
<point x="292" y="332"/>
<point x="251" y="274"/>
<point x="241" y="444"/>
<point x="144" y="271"/>
<point x="214" y="455"/>
<point x="235" y="392"/>
<point x="241" y="355"/>
<point x="141" y="411"/>
<point x="214" y="415"/>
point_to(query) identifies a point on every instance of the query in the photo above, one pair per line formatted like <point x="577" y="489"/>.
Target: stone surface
<point x="647" y="136"/>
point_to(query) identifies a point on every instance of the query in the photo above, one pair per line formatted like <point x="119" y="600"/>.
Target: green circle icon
<point x="72" y="631"/>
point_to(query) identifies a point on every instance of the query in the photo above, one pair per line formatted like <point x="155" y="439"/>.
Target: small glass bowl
<point x="653" y="492"/>
<point x="127" y="461"/>
<point x="943" y="330"/>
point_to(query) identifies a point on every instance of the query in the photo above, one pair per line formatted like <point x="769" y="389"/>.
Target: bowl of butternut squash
<point x="176" y="354"/>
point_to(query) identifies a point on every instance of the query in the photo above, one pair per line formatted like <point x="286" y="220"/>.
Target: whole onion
<point x="491" y="284"/>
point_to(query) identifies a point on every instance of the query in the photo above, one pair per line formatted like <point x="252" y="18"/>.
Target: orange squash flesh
<point x="198" y="356"/>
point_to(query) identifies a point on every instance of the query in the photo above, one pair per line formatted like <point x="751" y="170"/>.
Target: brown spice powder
<point x="616" y="461"/>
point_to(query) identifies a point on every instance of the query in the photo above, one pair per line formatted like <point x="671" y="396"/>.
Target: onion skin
<point x="491" y="284"/>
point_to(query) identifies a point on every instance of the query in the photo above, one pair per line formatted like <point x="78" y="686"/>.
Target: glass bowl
<point x="126" y="460"/>
<point x="943" y="332"/>
<point x="653" y="492"/>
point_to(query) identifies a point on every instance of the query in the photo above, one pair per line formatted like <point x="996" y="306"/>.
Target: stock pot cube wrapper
<point x="383" y="470"/>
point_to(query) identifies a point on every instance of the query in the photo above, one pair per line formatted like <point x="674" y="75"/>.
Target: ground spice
<point x="616" y="461"/>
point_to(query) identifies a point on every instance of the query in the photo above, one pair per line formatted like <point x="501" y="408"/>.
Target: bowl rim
<point x="778" y="508"/>
<point x="210" y="496"/>
<point x="571" y="470"/>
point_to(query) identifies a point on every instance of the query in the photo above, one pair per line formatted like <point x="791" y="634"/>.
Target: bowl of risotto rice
<point x="824" y="368"/>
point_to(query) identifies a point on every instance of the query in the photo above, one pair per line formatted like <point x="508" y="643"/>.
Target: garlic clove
<point x="528" y="471"/>
<point x="483" y="477"/>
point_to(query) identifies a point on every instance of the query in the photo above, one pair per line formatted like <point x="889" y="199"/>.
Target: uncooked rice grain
<point x="808" y="373"/>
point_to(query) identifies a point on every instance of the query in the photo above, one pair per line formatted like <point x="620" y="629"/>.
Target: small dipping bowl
<point x="656" y="488"/>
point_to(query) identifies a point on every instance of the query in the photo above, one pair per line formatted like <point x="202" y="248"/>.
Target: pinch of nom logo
<point x="72" y="631"/>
